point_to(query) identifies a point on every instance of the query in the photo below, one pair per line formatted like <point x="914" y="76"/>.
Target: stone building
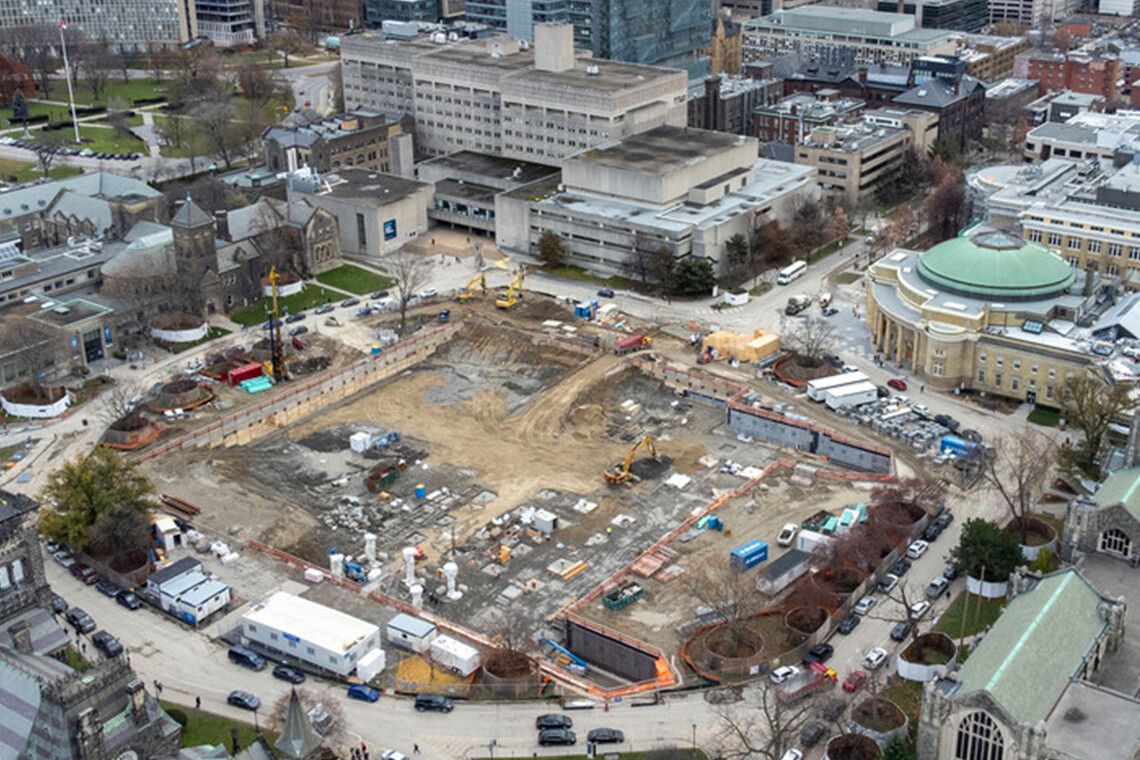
<point x="724" y="50"/>
<point x="1108" y="521"/>
<point x="1029" y="689"/>
<point x="985" y="312"/>
<point x="51" y="710"/>
<point x="355" y="139"/>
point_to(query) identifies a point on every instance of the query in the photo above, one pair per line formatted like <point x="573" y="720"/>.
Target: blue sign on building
<point x="389" y="229"/>
<point x="107" y="334"/>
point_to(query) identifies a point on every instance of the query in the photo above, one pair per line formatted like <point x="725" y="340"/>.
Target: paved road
<point x="311" y="83"/>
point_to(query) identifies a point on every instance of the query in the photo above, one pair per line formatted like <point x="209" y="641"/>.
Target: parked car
<point x="948" y="422"/>
<point x="864" y="605"/>
<point x="84" y="573"/>
<point x="848" y="624"/>
<point x="325" y="309"/>
<point x="556" y="736"/>
<point x="875" y="658"/>
<point x="932" y="532"/>
<point x="363" y="311"/>
<point x="888" y="583"/>
<point x="349" y="302"/>
<point x="900" y="568"/>
<point x="107" y="588"/>
<point x="244" y="700"/>
<point x="288" y="673"/>
<point x="553" y="720"/>
<point x="950" y="573"/>
<point x="792" y="754"/>
<point x="813" y="733"/>
<point x="298" y="330"/>
<point x="787" y="534"/>
<point x="434" y="702"/>
<point x="51" y="546"/>
<point x="901" y="631"/>
<point x="818" y="653"/>
<point x="79" y="620"/>
<point x="246" y="657"/>
<point x="295" y="317"/>
<point x="918" y="609"/>
<point x="854" y="681"/>
<point x="427" y="293"/>
<point x="605" y="736"/>
<point x="883" y="391"/>
<point x="897" y="383"/>
<point x="917" y="549"/>
<point x="64" y="558"/>
<point x="128" y="600"/>
<point x="363" y="692"/>
<point x="378" y="295"/>
<point x="606" y="293"/>
<point x="391" y="754"/>
<point x="937" y="587"/>
<point x="106" y="643"/>
<point x="943" y="520"/>
<point x="58" y="604"/>
<point x="781" y="674"/>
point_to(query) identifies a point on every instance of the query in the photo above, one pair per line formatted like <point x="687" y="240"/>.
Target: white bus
<point x="817" y="389"/>
<point x="791" y="272"/>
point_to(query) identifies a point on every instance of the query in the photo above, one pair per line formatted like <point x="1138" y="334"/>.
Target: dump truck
<point x="636" y="342"/>
<point x="817" y="676"/>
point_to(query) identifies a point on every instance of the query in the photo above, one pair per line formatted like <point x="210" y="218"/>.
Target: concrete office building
<point x="685" y="190"/>
<point x="1087" y="135"/>
<point x="229" y="23"/>
<point x="861" y="35"/>
<point x="538" y="103"/>
<point x="131" y="26"/>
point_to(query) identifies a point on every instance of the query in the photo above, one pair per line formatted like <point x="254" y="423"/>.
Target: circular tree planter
<point x="930" y="658"/>
<point x="33" y="401"/>
<point x="804" y="621"/>
<point x="987" y="590"/>
<point x="507" y="674"/>
<point x="876" y="719"/>
<point x="177" y="327"/>
<point x="130" y="432"/>
<point x="721" y="652"/>
<point x="1040" y="535"/>
<point x="797" y="371"/>
<point x="288" y="284"/>
<point x="853" y="747"/>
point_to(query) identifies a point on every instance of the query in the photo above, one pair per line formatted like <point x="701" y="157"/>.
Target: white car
<point x="429" y="293"/>
<point x="787" y="534"/>
<point x="875" y="658"/>
<point x="792" y="754"/>
<point x="888" y="583"/>
<point x="391" y="754"/>
<point x="937" y="587"/>
<point x="917" y="549"/>
<point x="918" y="609"/>
<point x="779" y="675"/>
<point x="865" y="604"/>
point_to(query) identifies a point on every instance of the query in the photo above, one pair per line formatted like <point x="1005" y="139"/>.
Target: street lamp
<point x="694" y="740"/>
<point x="491" y="747"/>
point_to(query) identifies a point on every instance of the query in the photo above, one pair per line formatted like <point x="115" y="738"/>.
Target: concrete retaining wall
<point x="784" y="431"/>
<point x="248" y="425"/>
<point x="608" y="653"/>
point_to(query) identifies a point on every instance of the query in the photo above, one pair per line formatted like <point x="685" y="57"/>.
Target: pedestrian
<point x="158" y="687"/>
<point x="83" y="647"/>
<point x="415" y="749"/>
<point x="922" y="389"/>
<point x="197" y="703"/>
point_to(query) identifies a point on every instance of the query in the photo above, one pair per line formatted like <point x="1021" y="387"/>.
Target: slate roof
<point x="47" y="636"/>
<point x="191" y="215"/>
<point x="298" y="737"/>
<point x="937" y="93"/>
<point x="181" y="567"/>
<point x="1121" y="487"/>
<point x="253" y="219"/>
<point x="14" y="505"/>
<point x="98" y="211"/>
<point x="1036" y="646"/>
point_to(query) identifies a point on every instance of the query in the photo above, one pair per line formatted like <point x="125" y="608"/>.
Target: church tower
<point x="195" y="250"/>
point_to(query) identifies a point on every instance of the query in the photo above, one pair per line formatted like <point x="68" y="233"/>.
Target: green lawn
<point x="77" y="661"/>
<point x="906" y="694"/>
<point x="23" y="171"/>
<point x="310" y="296"/>
<point x="355" y="280"/>
<point x="828" y="249"/>
<point x="761" y="289"/>
<point x="104" y="140"/>
<point x="207" y="728"/>
<point x="967" y="604"/>
<point x="35" y="108"/>
<point x="7" y="451"/>
<point x="1044" y="416"/>
<point x="846" y="278"/>
<point x="579" y="274"/>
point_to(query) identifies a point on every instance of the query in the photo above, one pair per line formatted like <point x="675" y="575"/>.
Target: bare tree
<point x="908" y="614"/>
<point x="33" y="46"/>
<point x="47" y="145"/>
<point x="118" y="401"/>
<point x="288" y="43"/>
<point x="160" y="61"/>
<point x="639" y="263"/>
<point x="224" y="135"/>
<point x="125" y="62"/>
<point x="256" y="83"/>
<point x="336" y="82"/>
<point x="812" y="339"/>
<point x="95" y="63"/>
<point x="170" y="130"/>
<point x="732" y="596"/>
<point x="1090" y="406"/>
<point x="411" y="272"/>
<point x="764" y="726"/>
<point x="1021" y="460"/>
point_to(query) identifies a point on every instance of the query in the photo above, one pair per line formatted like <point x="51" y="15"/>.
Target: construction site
<point x="514" y="468"/>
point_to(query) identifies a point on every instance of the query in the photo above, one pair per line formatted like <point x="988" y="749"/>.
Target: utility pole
<point x="67" y="76"/>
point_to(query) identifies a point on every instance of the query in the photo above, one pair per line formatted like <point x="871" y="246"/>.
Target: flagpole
<point x="67" y="76"/>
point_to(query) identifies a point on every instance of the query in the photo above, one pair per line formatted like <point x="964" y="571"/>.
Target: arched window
<point x="979" y="738"/>
<point x="1115" y="541"/>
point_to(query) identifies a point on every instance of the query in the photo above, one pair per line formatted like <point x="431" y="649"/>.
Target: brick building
<point x="794" y="117"/>
<point x="356" y="139"/>
<point x="1079" y="72"/>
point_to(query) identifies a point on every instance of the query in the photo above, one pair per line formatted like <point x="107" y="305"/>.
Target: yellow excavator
<point x="510" y="299"/>
<point x="620" y="473"/>
<point x="468" y="291"/>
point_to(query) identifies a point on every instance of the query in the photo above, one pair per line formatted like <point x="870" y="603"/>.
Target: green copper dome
<point x="996" y="266"/>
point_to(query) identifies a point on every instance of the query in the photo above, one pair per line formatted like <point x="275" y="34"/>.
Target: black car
<point x="932" y="532"/>
<point x="813" y="732"/>
<point x="295" y="317"/>
<point x="818" y="653"/>
<point x="79" y="620"/>
<point x="900" y="631"/>
<point x="434" y="702"/>
<point x="883" y="391"/>
<point x="943" y="520"/>
<point x="553" y="720"/>
<point x="107" y="588"/>
<point x="298" y="330"/>
<point x="834" y="361"/>
<point x="948" y="422"/>
<point x="59" y="605"/>
<point x="288" y="673"/>
<point x="128" y="600"/>
<point x="556" y="736"/>
<point x="900" y="568"/>
<point x="606" y="293"/>
<point x="378" y="295"/>
<point x="605" y="736"/>
<point x="244" y="700"/>
<point x="848" y="624"/>
<point x="106" y="643"/>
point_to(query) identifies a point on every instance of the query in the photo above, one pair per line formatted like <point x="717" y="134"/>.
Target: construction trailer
<point x="411" y="633"/>
<point x="319" y="636"/>
<point x="455" y="655"/>
<point x="183" y="590"/>
<point x="817" y="389"/>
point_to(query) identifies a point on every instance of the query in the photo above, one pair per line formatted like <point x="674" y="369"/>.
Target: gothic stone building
<point x="1108" y="521"/>
<point x="52" y="712"/>
<point x="1029" y="689"/>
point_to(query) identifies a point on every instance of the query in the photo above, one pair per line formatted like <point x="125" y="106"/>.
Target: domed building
<point x="987" y="312"/>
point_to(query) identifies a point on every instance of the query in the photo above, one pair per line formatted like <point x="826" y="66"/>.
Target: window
<point x="361" y="232"/>
<point x="981" y="375"/>
<point x="979" y="738"/>
<point x="1115" y="541"/>
<point x="1073" y="243"/>
<point x="982" y="356"/>
<point x="1133" y="253"/>
<point x="1094" y="246"/>
<point x="1052" y="372"/>
<point x="1035" y="236"/>
<point x="1055" y="239"/>
<point x="1033" y="368"/>
<point x="1017" y="364"/>
<point x="1000" y="361"/>
<point x="1014" y="383"/>
<point x="997" y="379"/>
<point x="1049" y="391"/>
<point x="1112" y="270"/>
<point x="1115" y="249"/>
<point x="936" y="369"/>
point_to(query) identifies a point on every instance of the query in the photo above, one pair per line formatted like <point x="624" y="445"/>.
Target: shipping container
<point x="816" y="389"/>
<point x="959" y="447"/>
<point x="749" y="555"/>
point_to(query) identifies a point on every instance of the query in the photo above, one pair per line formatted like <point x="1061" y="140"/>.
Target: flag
<point x="62" y="24"/>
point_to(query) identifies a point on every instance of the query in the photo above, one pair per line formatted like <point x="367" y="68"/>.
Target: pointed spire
<point x="298" y="740"/>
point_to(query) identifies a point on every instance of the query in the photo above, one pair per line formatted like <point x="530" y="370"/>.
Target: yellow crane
<point x="620" y="473"/>
<point x="510" y="299"/>
<point x="468" y="291"/>
<point x="277" y="352"/>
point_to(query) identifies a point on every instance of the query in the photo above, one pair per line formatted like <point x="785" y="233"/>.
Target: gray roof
<point x="145" y="258"/>
<point x="47" y="636"/>
<point x="256" y="218"/>
<point x="1121" y="321"/>
<point x="83" y="207"/>
<point x="298" y="737"/>
<point x="1091" y="723"/>
<point x="937" y="93"/>
<point x="203" y="591"/>
<point x="15" y="505"/>
<point x="1039" y="643"/>
<point x="1121" y="487"/>
<point x="25" y="200"/>
<point x="20" y="695"/>
<point x="413" y="626"/>
<point x="191" y="215"/>
<point x="785" y="563"/>
<point x="181" y="567"/>
<point x="778" y="150"/>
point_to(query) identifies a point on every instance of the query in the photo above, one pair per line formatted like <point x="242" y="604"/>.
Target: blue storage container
<point x="421" y="491"/>
<point x="749" y="555"/>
